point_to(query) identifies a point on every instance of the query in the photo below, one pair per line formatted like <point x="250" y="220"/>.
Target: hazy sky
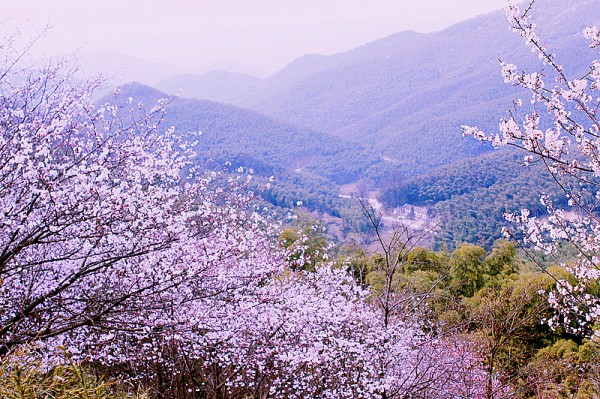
<point x="263" y="34"/>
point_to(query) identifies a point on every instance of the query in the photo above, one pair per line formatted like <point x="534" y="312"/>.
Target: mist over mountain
<point x="119" y="69"/>
<point x="220" y="85"/>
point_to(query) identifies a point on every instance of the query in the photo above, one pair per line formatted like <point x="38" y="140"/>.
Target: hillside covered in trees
<point x="472" y="197"/>
<point x="390" y="112"/>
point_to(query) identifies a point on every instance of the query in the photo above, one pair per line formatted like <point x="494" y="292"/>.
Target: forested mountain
<point x="469" y="195"/>
<point x="406" y="95"/>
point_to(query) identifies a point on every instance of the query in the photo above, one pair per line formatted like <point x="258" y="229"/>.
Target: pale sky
<point x="262" y="34"/>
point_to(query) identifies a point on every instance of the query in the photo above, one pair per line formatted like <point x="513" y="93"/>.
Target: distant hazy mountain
<point x="221" y="86"/>
<point x="121" y="68"/>
<point x="405" y="96"/>
<point x="390" y="110"/>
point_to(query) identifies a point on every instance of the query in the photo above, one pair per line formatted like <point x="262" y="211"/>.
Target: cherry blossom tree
<point x="98" y="227"/>
<point x="558" y="126"/>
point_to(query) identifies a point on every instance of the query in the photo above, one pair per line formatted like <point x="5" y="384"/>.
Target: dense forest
<point x="471" y="197"/>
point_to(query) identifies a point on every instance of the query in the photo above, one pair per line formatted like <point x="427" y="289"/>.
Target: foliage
<point x="306" y="244"/>
<point x="501" y="318"/>
<point x="23" y="377"/>
<point x="565" y="370"/>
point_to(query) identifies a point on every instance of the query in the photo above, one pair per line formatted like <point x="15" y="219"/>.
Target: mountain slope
<point x="406" y="96"/>
<point x="233" y="137"/>
<point x="332" y="93"/>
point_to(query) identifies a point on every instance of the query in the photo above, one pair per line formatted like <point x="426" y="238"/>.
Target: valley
<point x="387" y="115"/>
